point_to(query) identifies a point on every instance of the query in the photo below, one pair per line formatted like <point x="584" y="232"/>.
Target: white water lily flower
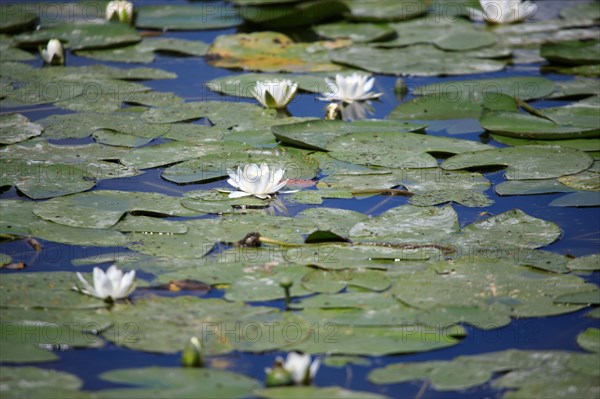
<point x="256" y="180"/>
<point x="120" y="10"/>
<point x="275" y="93"/>
<point x="505" y="11"/>
<point x="54" y="53"/>
<point x="109" y="286"/>
<point x="350" y="88"/>
<point x="301" y="368"/>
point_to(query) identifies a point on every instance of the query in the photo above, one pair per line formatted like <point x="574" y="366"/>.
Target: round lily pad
<point x="186" y="17"/>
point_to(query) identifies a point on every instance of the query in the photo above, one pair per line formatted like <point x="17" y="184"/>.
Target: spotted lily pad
<point x="16" y="127"/>
<point x="187" y="17"/>
<point x="179" y="382"/>
<point x="420" y="60"/>
<point x="315" y="135"/>
<point x="269" y="52"/>
<point x="525" y="162"/>
<point x="101" y="209"/>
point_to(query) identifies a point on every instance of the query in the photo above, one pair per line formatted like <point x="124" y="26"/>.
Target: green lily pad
<point x="268" y="52"/>
<point x="376" y="341"/>
<point x="217" y="202"/>
<point x="186" y="17"/>
<point x="586" y="180"/>
<point x="278" y="15"/>
<point x="526" y="88"/>
<point x="574" y="121"/>
<point x="459" y="196"/>
<point x="16" y="127"/>
<point x="101" y="209"/>
<point x="360" y="33"/>
<point x="578" y="199"/>
<point x="580" y="11"/>
<point x="334" y="281"/>
<point x="315" y="135"/>
<point x="36" y="382"/>
<point x="528" y="187"/>
<point x="381" y="10"/>
<point x="40" y="180"/>
<point x="408" y="223"/>
<point x="433" y="106"/>
<point x="16" y="18"/>
<point x="572" y="52"/>
<point x="507" y="288"/>
<point x="580" y="70"/>
<point x="590" y="339"/>
<point x="420" y="60"/>
<point x="590" y="262"/>
<point x="18" y="219"/>
<point x="81" y="36"/>
<point x="5" y="260"/>
<point x="396" y="149"/>
<point x="525" y="162"/>
<point x="143" y="52"/>
<point x="341" y="361"/>
<point x="576" y="87"/>
<point x="315" y="392"/>
<point x="583" y="297"/>
<point x="52" y="290"/>
<point x="178" y="382"/>
<point x="588" y="145"/>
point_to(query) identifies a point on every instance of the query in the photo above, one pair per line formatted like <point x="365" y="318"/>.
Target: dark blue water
<point x="580" y="226"/>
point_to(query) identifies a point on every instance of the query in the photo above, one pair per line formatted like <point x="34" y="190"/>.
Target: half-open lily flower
<point x="504" y="11"/>
<point x="301" y="368"/>
<point x="109" y="286"/>
<point x="259" y="181"/>
<point x="54" y="53"/>
<point x="350" y="88"/>
<point x="275" y="93"/>
<point x="120" y="10"/>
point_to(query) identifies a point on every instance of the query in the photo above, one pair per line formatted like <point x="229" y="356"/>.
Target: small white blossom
<point x="109" y="286"/>
<point x="504" y="11"/>
<point x="54" y="53"/>
<point x="350" y="88"/>
<point x="120" y="10"/>
<point x="301" y="368"/>
<point x="275" y="93"/>
<point x="259" y="181"/>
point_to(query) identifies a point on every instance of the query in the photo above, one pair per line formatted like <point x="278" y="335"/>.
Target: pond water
<point x="579" y="236"/>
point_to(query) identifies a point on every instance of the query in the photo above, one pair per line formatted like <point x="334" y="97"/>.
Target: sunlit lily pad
<point x="101" y="209"/>
<point x="590" y="262"/>
<point x="528" y="187"/>
<point x="382" y="10"/>
<point x="459" y="196"/>
<point x="315" y="135"/>
<point x="525" y="162"/>
<point x="269" y="52"/>
<point x="586" y="180"/>
<point x="178" y="382"/>
<point x="186" y="17"/>
<point x="80" y="36"/>
<point x="420" y="60"/>
<point x="52" y="290"/>
<point x="16" y="127"/>
<point x="36" y="382"/>
<point x="590" y="339"/>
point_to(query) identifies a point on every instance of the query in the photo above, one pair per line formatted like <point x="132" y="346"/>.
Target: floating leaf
<point x="277" y="14"/>
<point x="180" y="382"/>
<point x="268" y="52"/>
<point x="578" y="199"/>
<point x="365" y="32"/>
<point x="315" y="392"/>
<point x="459" y="196"/>
<point x="420" y="60"/>
<point x="590" y="262"/>
<point x="382" y="10"/>
<point x="100" y="209"/>
<point x="573" y="52"/>
<point x="332" y="282"/>
<point x="590" y="339"/>
<point x="36" y="382"/>
<point x="586" y="180"/>
<point x="525" y="162"/>
<point x="315" y="135"/>
<point x="16" y="127"/>
<point x="186" y="17"/>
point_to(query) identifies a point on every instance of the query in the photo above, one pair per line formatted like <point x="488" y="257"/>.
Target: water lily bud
<point x="278" y="376"/>
<point x="400" y="86"/>
<point x="54" y="53"/>
<point x="121" y="11"/>
<point x="192" y="355"/>
<point x="286" y="282"/>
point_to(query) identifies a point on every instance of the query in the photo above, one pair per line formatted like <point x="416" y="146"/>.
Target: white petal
<point x="126" y="285"/>
<point x="314" y="367"/>
<point x="238" y="194"/>
<point x="89" y="290"/>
